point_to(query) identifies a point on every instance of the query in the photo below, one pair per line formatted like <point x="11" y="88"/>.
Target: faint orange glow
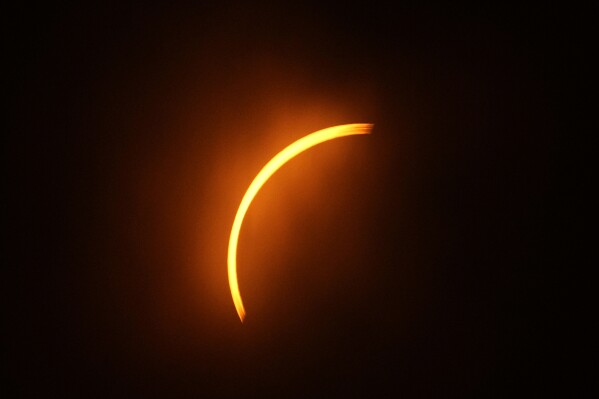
<point x="267" y="171"/>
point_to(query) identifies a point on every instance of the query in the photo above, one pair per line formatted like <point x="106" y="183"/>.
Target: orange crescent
<point x="267" y="171"/>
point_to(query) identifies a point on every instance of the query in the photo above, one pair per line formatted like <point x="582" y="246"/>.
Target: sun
<point x="262" y="177"/>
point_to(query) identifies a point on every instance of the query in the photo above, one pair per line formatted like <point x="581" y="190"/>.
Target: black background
<point x="423" y="267"/>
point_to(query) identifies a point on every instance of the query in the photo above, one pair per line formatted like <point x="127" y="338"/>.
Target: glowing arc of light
<point x="265" y="173"/>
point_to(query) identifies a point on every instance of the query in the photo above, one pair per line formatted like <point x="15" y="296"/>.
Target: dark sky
<point x="417" y="261"/>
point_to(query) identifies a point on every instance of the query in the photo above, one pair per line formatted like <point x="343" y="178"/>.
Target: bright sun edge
<point x="267" y="171"/>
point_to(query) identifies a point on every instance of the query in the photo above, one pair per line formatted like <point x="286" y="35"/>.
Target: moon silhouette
<point x="267" y="171"/>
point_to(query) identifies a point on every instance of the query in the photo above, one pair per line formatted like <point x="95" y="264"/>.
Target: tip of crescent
<point x="367" y="127"/>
